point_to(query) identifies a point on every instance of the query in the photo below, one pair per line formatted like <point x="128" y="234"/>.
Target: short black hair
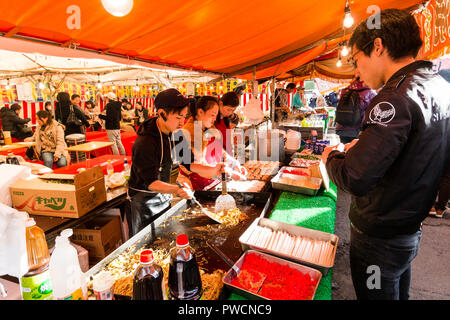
<point x="124" y="100"/>
<point x="47" y="103"/>
<point x="174" y="109"/>
<point x="291" y="86"/>
<point x="399" y="32"/>
<point x="90" y="102"/>
<point x="15" y="106"/>
<point x="74" y="96"/>
<point x="205" y="103"/>
<point x="230" y="99"/>
<point x="139" y="103"/>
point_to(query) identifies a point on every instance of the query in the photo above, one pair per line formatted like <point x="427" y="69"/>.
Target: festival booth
<point x="286" y="209"/>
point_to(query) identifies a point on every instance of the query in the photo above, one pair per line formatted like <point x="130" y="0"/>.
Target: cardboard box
<point x="40" y="197"/>
<point x="100" y="236"/>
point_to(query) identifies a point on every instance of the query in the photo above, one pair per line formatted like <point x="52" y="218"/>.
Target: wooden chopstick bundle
<point x="303" y="248"/>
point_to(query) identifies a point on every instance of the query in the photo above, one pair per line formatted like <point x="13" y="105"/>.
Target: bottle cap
<point x="182" y="240"/>
<point x="30" y="222"/>
<point x="146" y="256"/>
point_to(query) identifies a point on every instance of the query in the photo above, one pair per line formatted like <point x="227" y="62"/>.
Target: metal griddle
<point x="224" y="237"/>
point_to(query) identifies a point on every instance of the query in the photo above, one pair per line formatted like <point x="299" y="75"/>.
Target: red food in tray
<point x="281" y="282"/>
<point x="296" y="172"/>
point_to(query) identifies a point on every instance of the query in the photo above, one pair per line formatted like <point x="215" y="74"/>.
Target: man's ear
<point x="163" y="115"/>
<point x="378" y="46"/>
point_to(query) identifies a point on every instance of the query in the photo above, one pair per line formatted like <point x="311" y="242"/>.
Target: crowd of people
<point x="67" y="117"/>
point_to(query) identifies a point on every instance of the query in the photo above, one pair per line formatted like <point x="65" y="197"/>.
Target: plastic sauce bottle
<point x="65" y="271"/>
<point x="184" y="280"/>
<point x="148" y="279"/>
<point x="36" y="285"/>
<point x="126" y="169"/>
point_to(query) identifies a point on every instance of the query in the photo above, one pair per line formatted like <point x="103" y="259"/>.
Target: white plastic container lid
<point x="102" y="282"/>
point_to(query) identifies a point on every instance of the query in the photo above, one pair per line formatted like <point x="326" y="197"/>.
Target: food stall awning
<point x="225" y="37"/>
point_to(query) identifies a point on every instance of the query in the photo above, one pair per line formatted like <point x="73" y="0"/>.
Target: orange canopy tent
<point x="225" y="37"/>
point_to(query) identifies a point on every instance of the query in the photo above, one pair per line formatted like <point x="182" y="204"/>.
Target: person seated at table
<point x="124" y="104"/>
<point x="92" y="111"/>
<point x="198" y="173"/>
<point x="112" y="123"/>
<point x="128" y="112"/>
<point x="49" y="138"/>
<point x="12" y="122"/>
<point x="141" y="113"/>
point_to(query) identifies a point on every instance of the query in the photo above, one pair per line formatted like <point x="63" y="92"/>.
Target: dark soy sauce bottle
<point x="148" y="279"/>
<point x="184" y="280"/>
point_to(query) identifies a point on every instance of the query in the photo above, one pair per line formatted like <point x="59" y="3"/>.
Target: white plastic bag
<point x="13" y="243"/>
<point x="9" y="174"/>
<point x="252" y="111"/>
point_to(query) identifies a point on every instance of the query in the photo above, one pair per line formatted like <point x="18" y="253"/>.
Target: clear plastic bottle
<point x="148" y="281"/>
<point x="126" y="170"/>
<point x="35" y="284"/>
<point x="184" y="280"/>
<point x="65" y="272"/>
<point x="109" y="168"/>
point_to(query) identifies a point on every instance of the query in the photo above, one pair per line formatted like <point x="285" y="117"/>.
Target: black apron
<point x="147" y="206"/>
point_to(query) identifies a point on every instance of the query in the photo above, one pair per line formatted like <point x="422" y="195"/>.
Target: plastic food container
<point x="103" y="286"/>
<point x="229" y="276"/>
<point x="277" y="183"/>
<point x="293" y="230"/>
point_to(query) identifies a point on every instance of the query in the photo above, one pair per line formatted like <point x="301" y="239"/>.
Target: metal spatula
<point x="225" y="201"/>
<point x="203" y="210"/>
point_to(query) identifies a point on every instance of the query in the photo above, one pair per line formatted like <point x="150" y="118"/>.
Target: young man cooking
<point x="393" y="171"/>
<point x="149" y="189"/>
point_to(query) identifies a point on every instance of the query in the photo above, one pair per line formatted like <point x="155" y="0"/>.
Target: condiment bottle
<point x="148" y="279"/>
<point x="184" y="280"/>
<point x="36" y="284"/>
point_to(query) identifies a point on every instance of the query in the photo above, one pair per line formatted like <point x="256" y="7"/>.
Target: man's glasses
<point x="352" y="60"/>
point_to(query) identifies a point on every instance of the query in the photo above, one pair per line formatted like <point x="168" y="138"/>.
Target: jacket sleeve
<point x="17" y="120"/>
<point x="387" y="125"/>
<point x="60" y="142"/>
<point x="80" y="115"/>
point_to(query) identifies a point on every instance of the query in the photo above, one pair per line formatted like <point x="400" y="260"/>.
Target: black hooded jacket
<point x="147" y="158"/>
<point x="394" y="171"/>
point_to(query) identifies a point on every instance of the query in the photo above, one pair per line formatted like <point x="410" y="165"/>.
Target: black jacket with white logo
<point x="394" y="171"/>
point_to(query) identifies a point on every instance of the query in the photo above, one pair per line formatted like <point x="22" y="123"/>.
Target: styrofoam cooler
<point x="73" y="140"/>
